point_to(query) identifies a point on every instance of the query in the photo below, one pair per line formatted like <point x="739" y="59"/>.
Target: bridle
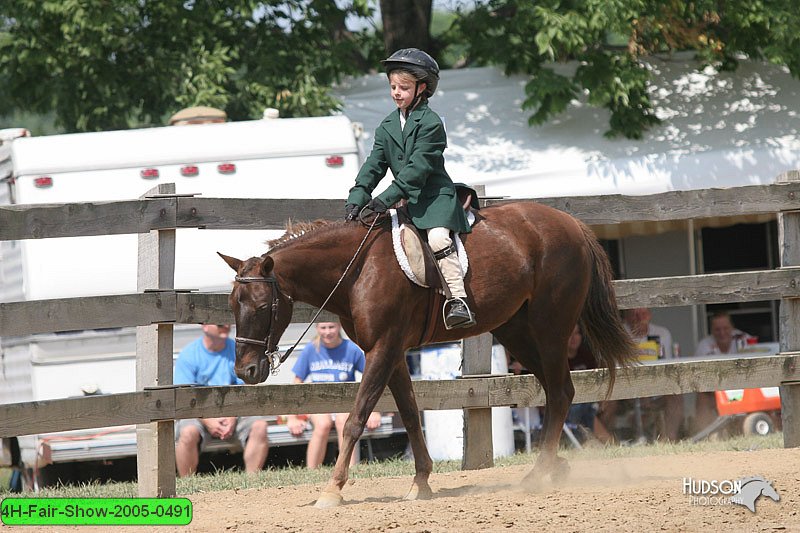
<point x="270" y="349"/>
<point x="274" y="356"/>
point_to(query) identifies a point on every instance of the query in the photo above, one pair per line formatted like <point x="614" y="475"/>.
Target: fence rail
<point x="183" y="307"/>
<point x="157" y="217"/>
<point x="159" y="212"/>
<point x="169" y="403"/>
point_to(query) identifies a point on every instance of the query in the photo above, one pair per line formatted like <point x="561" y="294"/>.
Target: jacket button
<point x="400" y="157"/>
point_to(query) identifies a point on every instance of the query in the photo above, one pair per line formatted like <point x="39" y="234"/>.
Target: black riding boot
<point x="457" y="314"/>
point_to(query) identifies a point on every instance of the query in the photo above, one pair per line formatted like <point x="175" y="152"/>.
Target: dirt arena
<point x="632" y="494"/>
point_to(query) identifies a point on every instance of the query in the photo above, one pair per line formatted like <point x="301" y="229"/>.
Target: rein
<point x="274" y="356"/>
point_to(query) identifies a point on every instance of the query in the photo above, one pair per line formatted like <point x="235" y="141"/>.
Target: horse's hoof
<point x="561" y="470"/>
<point x="534" y="482"/>
<point x="329" y="499"/>
<point x="419" y="493"/>
<point x="546" y="475"/>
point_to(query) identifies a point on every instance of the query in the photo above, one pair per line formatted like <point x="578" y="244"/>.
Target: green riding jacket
<point x="415" y="156"/>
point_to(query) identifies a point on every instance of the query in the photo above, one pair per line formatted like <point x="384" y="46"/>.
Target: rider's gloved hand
<point x="377" y="206"/>
<point x="351" y="212"/>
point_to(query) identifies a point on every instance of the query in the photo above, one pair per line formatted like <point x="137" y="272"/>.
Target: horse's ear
<point x="266" y="266"/>
<point x="234" y="263"/>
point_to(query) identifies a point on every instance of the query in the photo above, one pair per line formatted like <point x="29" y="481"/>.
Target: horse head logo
<point x="752" y="489"/>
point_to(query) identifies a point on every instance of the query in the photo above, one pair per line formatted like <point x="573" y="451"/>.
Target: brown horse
<point x="534" y="273"/>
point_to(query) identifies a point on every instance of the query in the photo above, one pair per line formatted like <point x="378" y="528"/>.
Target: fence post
<point x="477" y="356"/>
<point x="155" y="442"/>
<point x="478" y="447"/>
<point x="789" y="246"/>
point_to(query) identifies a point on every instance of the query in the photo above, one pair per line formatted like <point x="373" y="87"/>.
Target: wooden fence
<point x="157" y="306"/>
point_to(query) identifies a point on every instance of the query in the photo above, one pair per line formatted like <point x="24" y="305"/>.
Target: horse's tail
<point x="600" y="320"/>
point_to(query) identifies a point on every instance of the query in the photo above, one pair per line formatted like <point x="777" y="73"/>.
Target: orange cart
<point x="758" y="410"/>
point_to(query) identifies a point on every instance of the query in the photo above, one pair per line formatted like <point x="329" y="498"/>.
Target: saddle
<point x="414" y="254"/>
<point x="416" y="259"/>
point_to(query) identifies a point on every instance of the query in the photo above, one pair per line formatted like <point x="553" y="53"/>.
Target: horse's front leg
<point x="403" y="392"/>
<point x="376" y="375"/>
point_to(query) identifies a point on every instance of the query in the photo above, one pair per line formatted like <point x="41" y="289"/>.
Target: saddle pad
<point x="408" y="251"/>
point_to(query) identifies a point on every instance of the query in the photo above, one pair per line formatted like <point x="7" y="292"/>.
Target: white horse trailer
<point x="269" y="158"/>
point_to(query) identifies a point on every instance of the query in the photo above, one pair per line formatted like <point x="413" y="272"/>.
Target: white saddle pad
<point x="414" y="268"/>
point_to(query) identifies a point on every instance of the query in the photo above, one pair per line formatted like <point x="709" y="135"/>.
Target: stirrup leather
<point x="466" y="323"/>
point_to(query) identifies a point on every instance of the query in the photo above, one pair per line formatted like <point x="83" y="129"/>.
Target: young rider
<point x="411" y="142"/>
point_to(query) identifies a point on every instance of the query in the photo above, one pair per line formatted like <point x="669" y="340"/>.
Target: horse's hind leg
<point x="400" y="385"/>
<point x="559" y="391"/>
<point x="543" y="351"/>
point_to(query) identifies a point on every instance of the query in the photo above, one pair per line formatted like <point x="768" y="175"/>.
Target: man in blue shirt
<point x="209" y="361"/>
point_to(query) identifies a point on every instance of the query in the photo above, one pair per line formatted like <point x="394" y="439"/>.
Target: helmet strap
<point x="416" y="100"/>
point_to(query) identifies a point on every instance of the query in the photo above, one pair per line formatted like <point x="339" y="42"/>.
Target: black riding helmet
<point x="422" y="65"/>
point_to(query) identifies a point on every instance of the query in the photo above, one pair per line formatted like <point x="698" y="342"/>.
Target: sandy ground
<point x="633" y="494"/>
<point x="640" y="494"/>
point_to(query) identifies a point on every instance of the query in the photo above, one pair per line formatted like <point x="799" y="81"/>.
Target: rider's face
<point x="401" y="87"/>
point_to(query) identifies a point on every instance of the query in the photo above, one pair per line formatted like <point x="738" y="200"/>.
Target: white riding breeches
<point x="439" y="239"/>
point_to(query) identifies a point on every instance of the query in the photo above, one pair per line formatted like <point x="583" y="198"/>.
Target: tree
<point x="606" y="40"/>
<point x="118" y="63"/>
<point x="406" y="24"/>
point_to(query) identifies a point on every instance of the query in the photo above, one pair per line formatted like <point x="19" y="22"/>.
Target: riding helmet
<point x="424" y="67"/>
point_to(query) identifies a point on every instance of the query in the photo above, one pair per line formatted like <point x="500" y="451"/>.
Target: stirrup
<point x="460" y="321"/>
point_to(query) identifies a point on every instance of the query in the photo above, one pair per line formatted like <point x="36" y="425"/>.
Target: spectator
<point x="328" y="358"/>
<point x="209" y="361"/>
<point x="724" y="339"/>
<point x="655" y="342"/>
<point x="198" y="115"/>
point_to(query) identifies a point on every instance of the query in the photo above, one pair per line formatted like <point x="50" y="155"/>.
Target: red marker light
<point x="43" y="182"/>
<point x="190" y="171"/>
<point x="334" y="161"/>
<point x="149" y="173"/>
<point x="226" y="168"/>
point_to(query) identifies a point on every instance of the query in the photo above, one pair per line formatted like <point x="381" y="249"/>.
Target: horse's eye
<point x="263" y="307"/>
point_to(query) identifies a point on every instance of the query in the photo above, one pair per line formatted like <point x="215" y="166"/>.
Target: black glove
<point x="377" y="206"/>
<point x="351" y="212"/>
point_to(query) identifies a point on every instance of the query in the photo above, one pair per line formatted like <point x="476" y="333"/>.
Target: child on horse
<point x="411" y="142"/>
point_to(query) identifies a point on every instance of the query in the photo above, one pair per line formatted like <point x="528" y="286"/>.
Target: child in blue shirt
<point x="328" y="358"/>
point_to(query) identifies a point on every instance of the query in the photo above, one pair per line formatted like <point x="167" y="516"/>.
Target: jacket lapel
<point x="414" y="119"/>
<point x="392" y="126"/>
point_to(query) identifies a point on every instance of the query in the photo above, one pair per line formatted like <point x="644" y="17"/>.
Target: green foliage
<point x="548" y="93"/>
<point x="606" y="39"/>
<point x="120" y="63"/>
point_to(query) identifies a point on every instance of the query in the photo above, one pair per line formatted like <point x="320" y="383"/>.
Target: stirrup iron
<point x="465" y="322"/>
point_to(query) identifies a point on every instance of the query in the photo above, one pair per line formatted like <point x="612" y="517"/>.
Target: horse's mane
<point x="295" y="230"/>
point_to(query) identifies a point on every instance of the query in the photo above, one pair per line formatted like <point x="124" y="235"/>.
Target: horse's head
<point x="262" y="312"/>
<point x="770" y="492"/>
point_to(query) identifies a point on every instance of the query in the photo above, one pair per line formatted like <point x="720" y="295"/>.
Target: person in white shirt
<point x="724" y="339"/>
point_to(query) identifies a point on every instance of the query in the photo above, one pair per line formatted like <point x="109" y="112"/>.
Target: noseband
<point x="270" y="350"/>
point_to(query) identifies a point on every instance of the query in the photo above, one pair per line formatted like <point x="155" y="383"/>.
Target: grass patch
<point x="294" y="475"/>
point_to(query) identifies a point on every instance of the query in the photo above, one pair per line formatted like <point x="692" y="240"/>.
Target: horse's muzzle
<point x="254" y="373"/>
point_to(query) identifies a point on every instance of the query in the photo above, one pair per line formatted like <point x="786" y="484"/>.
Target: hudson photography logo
<point x="745" y="491"/>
